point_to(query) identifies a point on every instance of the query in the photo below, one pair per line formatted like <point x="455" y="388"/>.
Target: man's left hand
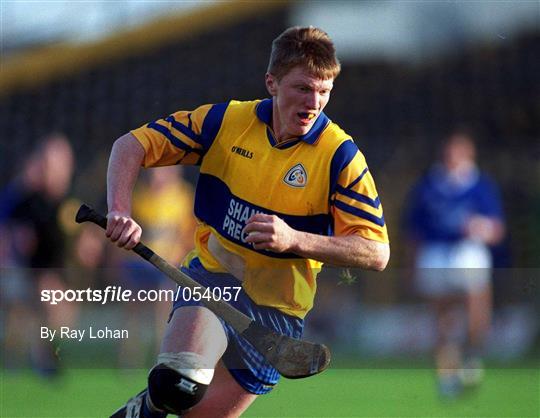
<point x="269" y="232"/>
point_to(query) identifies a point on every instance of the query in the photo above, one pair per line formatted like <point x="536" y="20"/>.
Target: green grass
<point x="336" y="393"/>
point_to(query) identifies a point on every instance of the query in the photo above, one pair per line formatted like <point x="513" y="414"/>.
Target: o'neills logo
<point x="243" y="152"/>
<point x="296" y="176"/>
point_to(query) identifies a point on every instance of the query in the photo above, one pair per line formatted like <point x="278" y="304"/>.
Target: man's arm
<point x="124" y="164"/>
<point x="269" y="232"/>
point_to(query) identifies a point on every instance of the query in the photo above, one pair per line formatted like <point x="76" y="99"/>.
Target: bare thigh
<point x="196" y="329"/>
<point x="445" y="311"/>
<point x="479" y="308"/>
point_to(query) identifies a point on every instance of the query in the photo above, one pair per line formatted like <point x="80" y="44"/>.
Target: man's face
<point x="459" y="151"/>
<point x="299" y="98"/>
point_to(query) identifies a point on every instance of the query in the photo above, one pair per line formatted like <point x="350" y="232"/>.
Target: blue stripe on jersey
<point x="375" y="203"/>
<point x="212" y="124"/>
<point x="227" y="213"/>
<point x="282" y="145"/>
<point x="177" y="142"/>
<point x="357" y="179"/>
<point x="316" y="130"/>
<point x="264" y="111"/>
<point x="359" y="212"/>
<point x="270" y="137"/>
<point x="341" y="159"/>
<point x="183" y="128"/>
<point x="287" y="144"/>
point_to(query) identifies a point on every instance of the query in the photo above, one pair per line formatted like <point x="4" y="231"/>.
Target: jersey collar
<point x="264" y="113"/>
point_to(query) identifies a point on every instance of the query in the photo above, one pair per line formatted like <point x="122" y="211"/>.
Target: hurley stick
<point x="293" y="358"/>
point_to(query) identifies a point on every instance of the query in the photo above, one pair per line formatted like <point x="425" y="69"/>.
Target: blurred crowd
<point x="43" y="248"/>
<point x="33" y="247"/>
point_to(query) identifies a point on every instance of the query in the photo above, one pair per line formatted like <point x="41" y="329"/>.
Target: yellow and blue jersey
<point x="317" y="183"/>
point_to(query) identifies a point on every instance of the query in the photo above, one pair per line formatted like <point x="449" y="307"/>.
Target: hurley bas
<point x="92" y="333"/>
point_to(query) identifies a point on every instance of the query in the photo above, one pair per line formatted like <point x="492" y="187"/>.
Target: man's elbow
<point x="128" y="145"/>
<point x="381" y="257"/>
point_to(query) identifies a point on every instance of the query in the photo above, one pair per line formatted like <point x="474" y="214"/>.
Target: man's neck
<point x="277" y="129"/>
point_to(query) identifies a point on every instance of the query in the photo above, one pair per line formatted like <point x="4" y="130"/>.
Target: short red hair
<point x="308" y="47"/>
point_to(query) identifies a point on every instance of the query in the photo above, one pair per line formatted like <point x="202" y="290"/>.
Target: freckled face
<point x="299" y="98"/>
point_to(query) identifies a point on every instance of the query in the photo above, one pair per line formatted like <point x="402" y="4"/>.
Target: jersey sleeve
<point x="182" y="137"/>
<point x="355" y="204"/>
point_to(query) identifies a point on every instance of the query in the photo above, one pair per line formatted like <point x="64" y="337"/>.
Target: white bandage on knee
<point x="191" y="365"/>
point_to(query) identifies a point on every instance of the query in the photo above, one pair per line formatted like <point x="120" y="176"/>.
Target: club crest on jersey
<point x="296" y="176"/>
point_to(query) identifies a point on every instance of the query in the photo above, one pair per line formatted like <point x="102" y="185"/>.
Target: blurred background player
<point x="16" y="246"/>
<point x="31" y="207"/>
<point x="162" y="204"/>
<point x="454" y="215"/>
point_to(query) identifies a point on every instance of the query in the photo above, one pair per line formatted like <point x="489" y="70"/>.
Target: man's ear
<point x="271" y="84"/>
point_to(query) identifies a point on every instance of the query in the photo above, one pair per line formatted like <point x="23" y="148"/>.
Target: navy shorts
<point x="246" y="365"/>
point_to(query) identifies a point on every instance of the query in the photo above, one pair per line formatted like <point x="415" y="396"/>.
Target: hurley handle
<point x="88" y="214"/>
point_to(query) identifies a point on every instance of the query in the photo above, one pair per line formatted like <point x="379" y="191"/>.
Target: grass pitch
<point x="335" y="393"/>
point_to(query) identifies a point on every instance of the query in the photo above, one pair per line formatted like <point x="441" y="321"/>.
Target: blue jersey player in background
<point x="453" y="216"/>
